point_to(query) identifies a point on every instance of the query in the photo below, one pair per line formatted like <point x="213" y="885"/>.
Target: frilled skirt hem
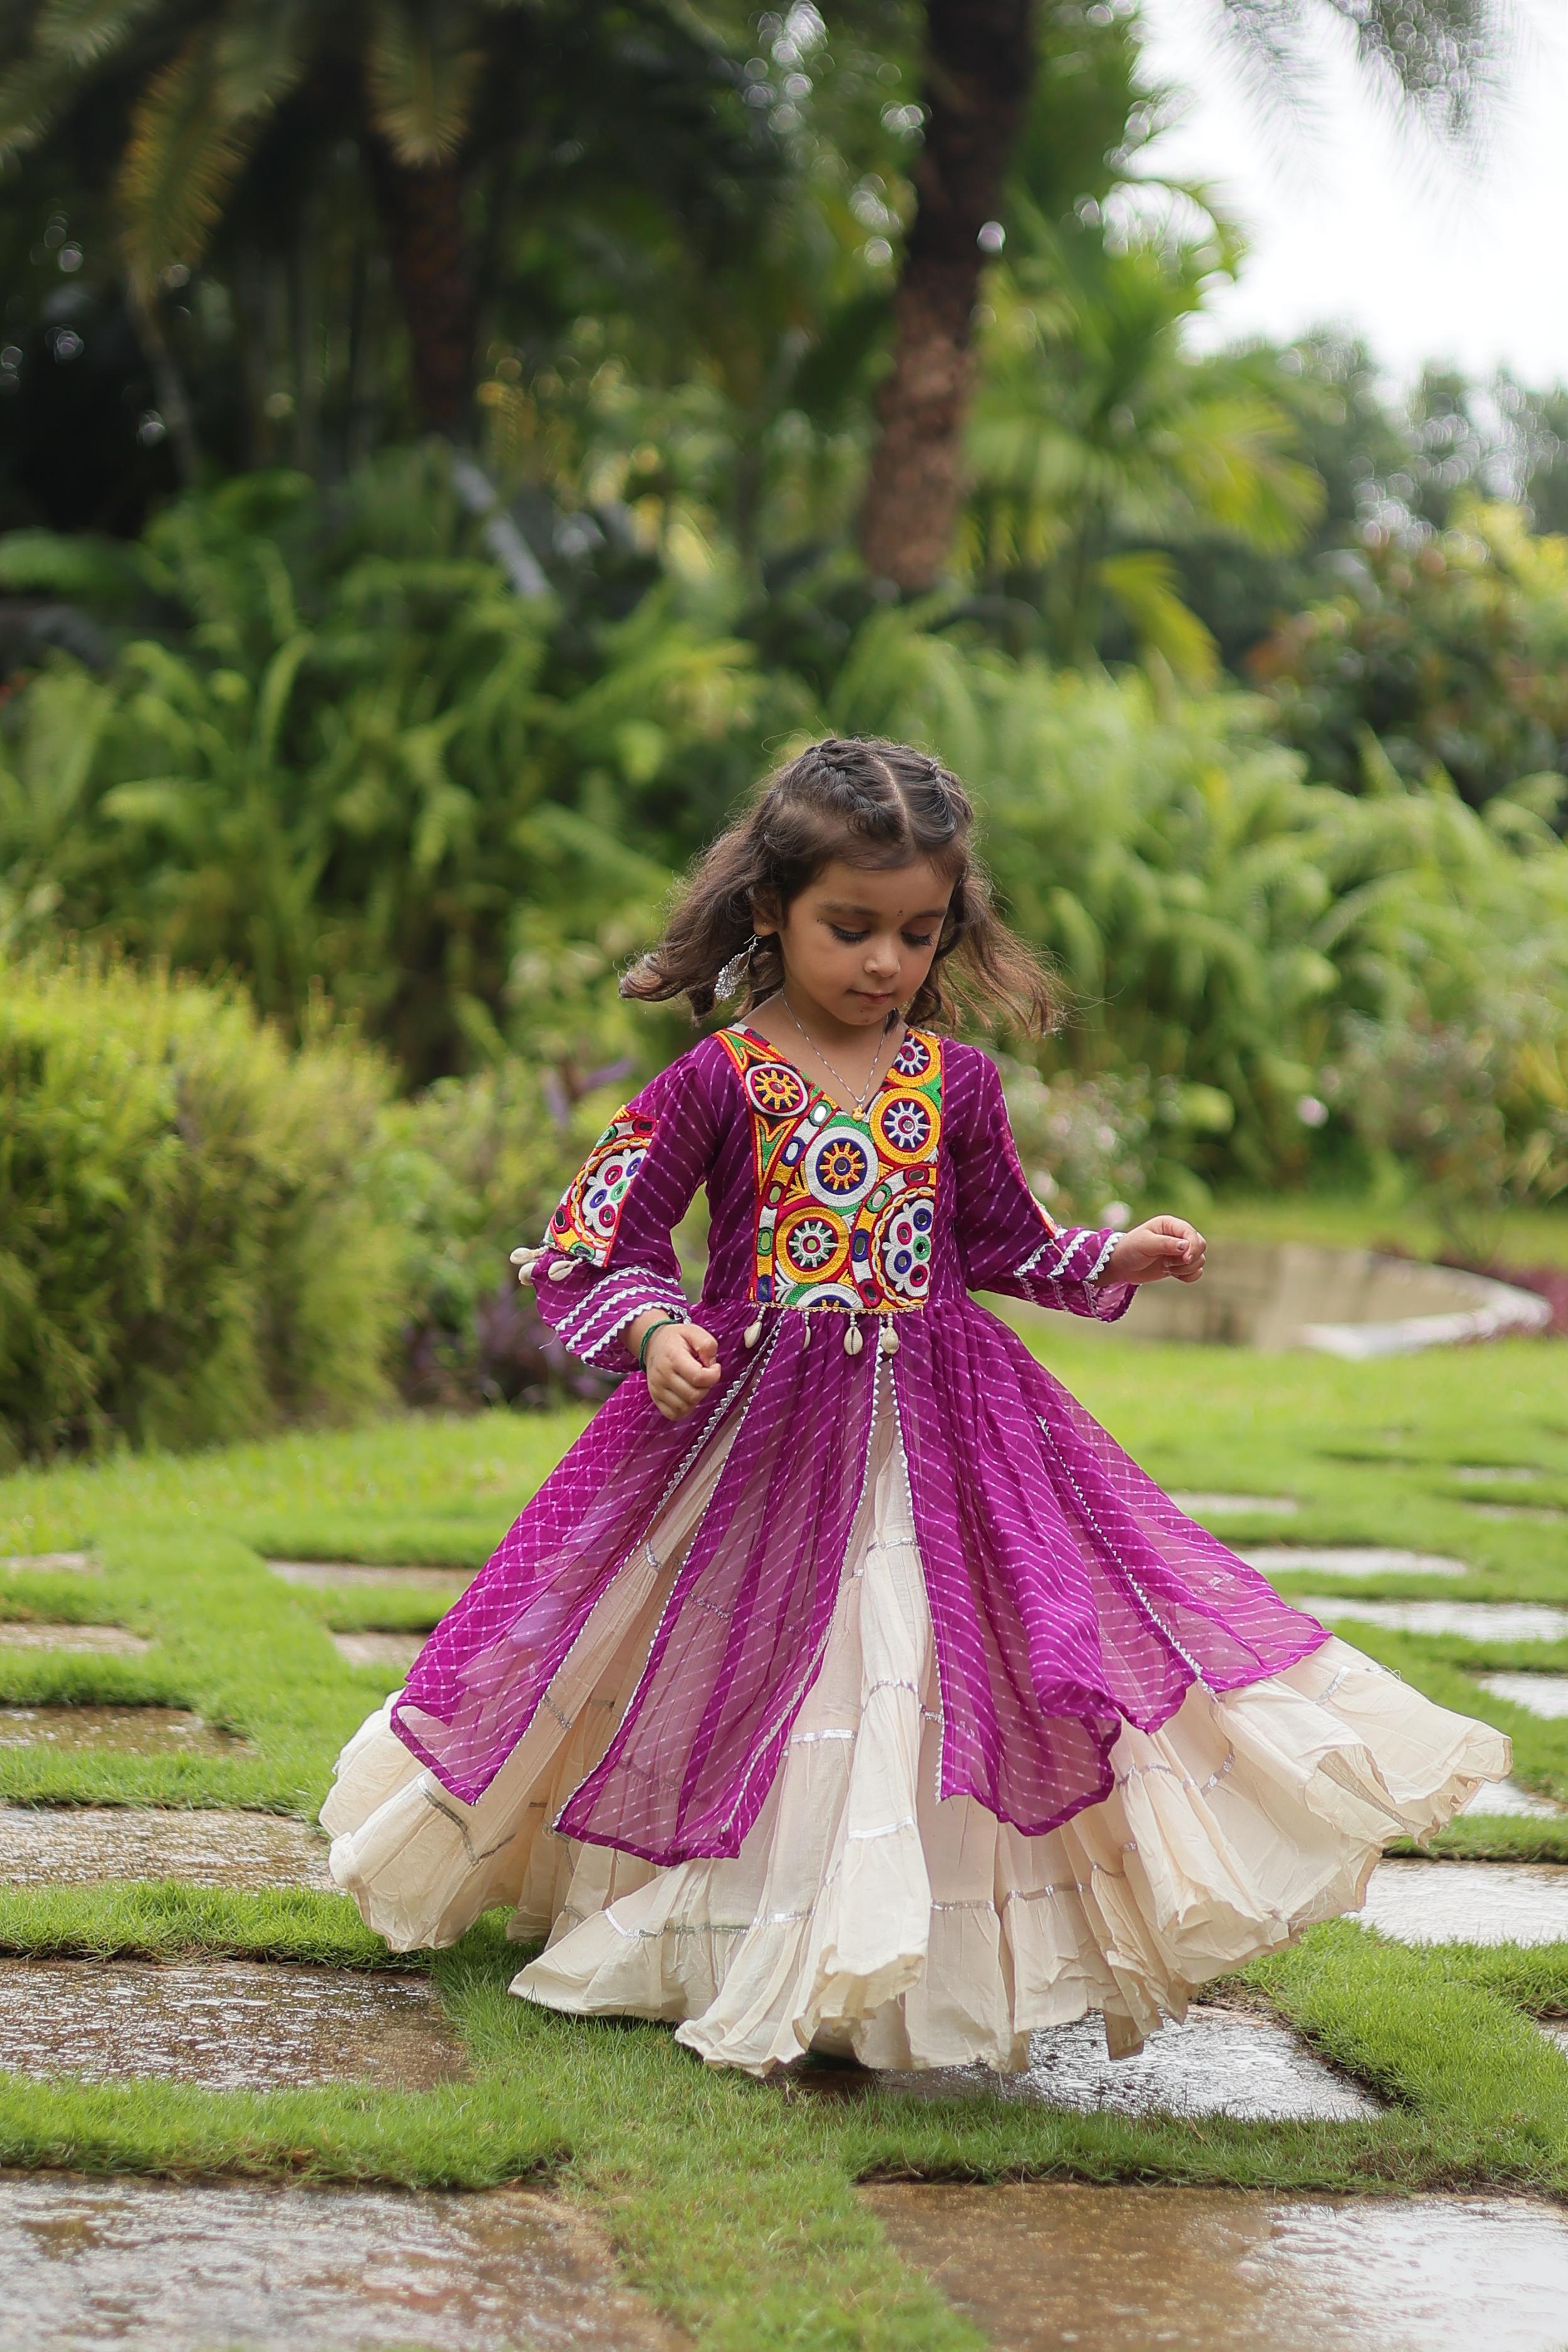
<point x="863" y="1914"/>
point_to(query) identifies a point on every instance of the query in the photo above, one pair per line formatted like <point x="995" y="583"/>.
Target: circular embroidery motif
<point x="903" y="1243"/>
<point x="839" y="1167"/>
<point x="813" y="1243"/>
<point x="775" y="1089"/>
<point x="903" y="1125"/>
<point x="914" y="1058"/>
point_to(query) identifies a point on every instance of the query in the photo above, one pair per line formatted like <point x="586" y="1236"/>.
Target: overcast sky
<point x="1357" y="221"/>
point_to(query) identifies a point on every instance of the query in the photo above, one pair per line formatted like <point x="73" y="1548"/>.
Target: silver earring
<point x="737" y="970"/>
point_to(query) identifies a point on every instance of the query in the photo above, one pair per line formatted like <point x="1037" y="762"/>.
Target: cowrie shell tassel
<point x="525" y="1261"/>
<point x="806" y="1330"/>
<point x="560" y="1269"/>
<point x="753" y="1332"/>
<point x="888" y="1342"/>
<point x="853" y="1343"/>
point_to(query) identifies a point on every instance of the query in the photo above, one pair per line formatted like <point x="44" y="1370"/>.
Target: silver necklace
<point x="859" y="1098"/>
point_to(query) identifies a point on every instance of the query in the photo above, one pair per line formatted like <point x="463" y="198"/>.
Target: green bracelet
<point x="648" y="1335"/>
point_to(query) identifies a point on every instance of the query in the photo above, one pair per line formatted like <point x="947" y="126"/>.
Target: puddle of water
<point x="1468" y="1902"/>
<point x="1041" y="2266"/>
<point x="48" y="1563"/>
<point x="127" y="1730"/>
<point x="155" y="2266"/>
<point x="1542" y="1693"/>
<point x="1508" y="1797"/>
<point x="1476" y="1621"/>
<point x="1222" y="1506"/>
<point x="86" y="1845"/>
<point x="1349" y="1559"/>
<point x="393" y="1652"/>
<point x="338" y="1575"/>
<point x="1220" y="2063"/>
<point x="229" y="2025"/>
<point x="75" y="1640"/>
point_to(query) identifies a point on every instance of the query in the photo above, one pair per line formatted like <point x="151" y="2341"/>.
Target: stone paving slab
<point x="228" y="2025"/>
<point x="1040" y="2266"/>
<point x="48" y="1563"/>
<point x="116" y="1731"/>
<point x="393" y="1652"/>
<point x="1539" y="1513"/>
<point x="342" y="1575"/>
<point x="75" y="1640"/>
<point x="1541" y="1694"/>
<point x="1349" y="1559"/>
<point x="1230" y="1507"/>
<point x="1508" y="1797"/>
<point x="88" y="1846"/>
<point x="1474" y="1621"/>
<point x="1469" y="1903"/>
<point x="155" y="2266"/>
<point x="1488" y="1474"/>
<point x="1220" y="2063"/>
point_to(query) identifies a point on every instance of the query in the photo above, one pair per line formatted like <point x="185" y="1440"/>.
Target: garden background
<point x="447" y="452"/>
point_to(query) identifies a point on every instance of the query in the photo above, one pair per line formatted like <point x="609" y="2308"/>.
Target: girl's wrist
<point x="650" y="1324"/>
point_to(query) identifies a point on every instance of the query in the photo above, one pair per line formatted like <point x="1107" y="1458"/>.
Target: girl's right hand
<point x="683" y="1365"/>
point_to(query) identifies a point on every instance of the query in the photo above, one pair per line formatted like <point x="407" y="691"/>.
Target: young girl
<point x="845" y="1687"/>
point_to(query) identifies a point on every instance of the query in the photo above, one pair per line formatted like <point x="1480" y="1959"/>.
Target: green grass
<point x="732" y="2204"/>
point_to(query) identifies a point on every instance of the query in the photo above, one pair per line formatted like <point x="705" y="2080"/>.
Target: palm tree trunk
<point x="422" y="211"/>
<point x="979" y="63"/>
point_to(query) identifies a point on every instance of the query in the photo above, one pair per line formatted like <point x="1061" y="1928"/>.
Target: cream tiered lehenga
<point x="864" y="1916"/>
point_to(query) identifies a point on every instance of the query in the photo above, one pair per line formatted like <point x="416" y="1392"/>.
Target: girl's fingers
<point x="701" y="1343"/>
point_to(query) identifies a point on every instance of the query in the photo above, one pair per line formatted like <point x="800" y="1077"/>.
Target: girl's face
<point x="856" y="942"/>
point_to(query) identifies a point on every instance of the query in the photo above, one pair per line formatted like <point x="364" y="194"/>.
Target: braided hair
<point x="873" y="804"/>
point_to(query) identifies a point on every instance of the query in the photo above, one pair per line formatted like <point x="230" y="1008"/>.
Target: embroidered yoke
<point x="1068" y="1596"/>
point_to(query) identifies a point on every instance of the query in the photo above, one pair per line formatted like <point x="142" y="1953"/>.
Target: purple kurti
<point x="1067" y="1592"/>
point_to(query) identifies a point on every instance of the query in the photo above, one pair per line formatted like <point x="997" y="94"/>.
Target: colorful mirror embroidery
<point x="585" y="1224"/>
<point x="846" y="1205"/>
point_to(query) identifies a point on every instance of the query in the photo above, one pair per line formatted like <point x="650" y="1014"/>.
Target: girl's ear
<point x="767" y="914"/>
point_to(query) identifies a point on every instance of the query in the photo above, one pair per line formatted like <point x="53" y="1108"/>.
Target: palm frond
<point x="422" y="67"/>
<point x="85" y="32"/>
<point x="1441" y="59"/>
<point x="185" y="153"/>
<point x="33" y="95"/>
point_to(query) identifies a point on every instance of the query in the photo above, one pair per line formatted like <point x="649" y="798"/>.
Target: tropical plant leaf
<point x="422" y="68"/>
<point x="193" y="133"/>
<point x="85" y="32"/>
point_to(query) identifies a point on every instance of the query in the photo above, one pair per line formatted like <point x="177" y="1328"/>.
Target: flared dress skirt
<point x="865" y="1914"/>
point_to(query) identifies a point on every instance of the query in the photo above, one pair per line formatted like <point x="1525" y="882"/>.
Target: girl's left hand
<point x="1161" y="1248"/>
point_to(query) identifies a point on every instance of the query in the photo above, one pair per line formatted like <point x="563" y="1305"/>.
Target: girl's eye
<point x="852" y="939"/>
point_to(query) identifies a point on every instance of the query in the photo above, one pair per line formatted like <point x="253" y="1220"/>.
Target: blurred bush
<point x="190" y="1245"/>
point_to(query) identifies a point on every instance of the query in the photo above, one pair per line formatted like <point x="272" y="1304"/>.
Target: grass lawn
<point x="732" y="2202"/>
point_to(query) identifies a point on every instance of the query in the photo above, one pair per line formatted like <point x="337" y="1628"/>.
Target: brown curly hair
<point x="873" y="804"/>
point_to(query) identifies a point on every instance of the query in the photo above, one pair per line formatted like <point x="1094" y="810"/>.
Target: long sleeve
<point x="1006" y="1240"/>
<point x="608" y="1255"/>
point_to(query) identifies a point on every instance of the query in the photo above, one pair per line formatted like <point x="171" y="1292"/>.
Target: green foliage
<point x="189" y="1252"/>
<point x="1218" y="917"/>
<point x="1451" y="652"/>
<point x="351" y="758"/>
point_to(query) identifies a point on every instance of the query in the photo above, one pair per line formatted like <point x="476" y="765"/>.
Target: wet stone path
<point x="1220" y="2062"/>
<point x="130" y="2265"/>
<point x="116" y="1731"/>
<point x="74" y="1641"/>
<point x="1469" y="1902"/>
<point x="228" y="2025"/>
<point x="1040" y="2267"/>
<point x="1347" y="1559"/>
<point x="86" y="1845"/>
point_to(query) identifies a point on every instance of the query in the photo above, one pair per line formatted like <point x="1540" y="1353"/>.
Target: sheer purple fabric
<point x="1066" y="1591"/>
